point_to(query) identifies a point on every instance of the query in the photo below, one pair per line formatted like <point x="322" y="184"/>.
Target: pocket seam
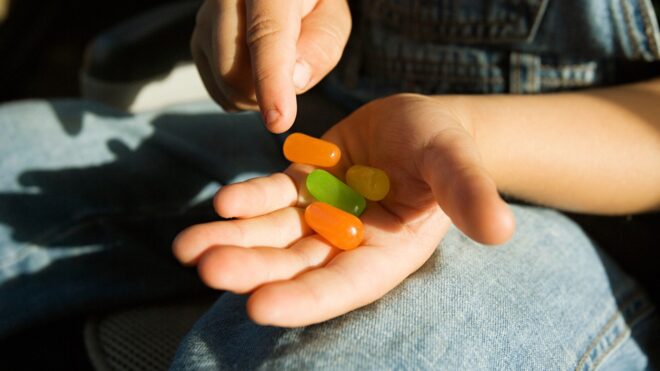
<point x="587" y="360"/>
<point x="651" y="28"/>
<point x="525" y="37"/>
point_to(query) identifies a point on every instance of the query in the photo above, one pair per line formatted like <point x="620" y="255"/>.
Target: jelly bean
<point x="368" y="181"/>
<point x="341" y="229"/>
<point x="326" y="188"/>
<point x="304" y="149"/>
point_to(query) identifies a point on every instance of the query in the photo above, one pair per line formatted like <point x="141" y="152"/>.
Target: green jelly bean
<point x="325" y="187"/>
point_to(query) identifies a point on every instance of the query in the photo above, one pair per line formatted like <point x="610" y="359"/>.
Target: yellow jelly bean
<point x="368" y="181"/>
<point x="341" y="229"/>
<point x="304" y="149"/>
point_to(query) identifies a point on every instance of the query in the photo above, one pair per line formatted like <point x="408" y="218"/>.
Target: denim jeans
<point x="547" y="300"/>
<point x="90" y="199"/>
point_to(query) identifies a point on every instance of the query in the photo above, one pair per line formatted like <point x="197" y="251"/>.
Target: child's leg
<point x="546" y="300"/>
<point x="90" y="200"/>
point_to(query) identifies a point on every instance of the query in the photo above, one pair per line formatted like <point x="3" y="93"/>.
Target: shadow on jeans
<point x="97" y="236"/>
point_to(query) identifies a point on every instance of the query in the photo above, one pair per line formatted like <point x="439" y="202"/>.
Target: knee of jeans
<point x="547" y="249"/>
<point x="538" y="301"/>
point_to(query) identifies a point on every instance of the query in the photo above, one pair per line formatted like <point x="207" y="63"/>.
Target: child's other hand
<point x="295" y="277"/>
<point x="264" y="52"/>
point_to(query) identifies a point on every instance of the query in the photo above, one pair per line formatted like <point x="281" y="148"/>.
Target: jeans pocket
<point x="491" y="22"/>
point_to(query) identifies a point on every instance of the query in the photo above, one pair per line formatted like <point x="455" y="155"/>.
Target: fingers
<point x="351" y="280"/>
<point x="259" y="196"/>
<point x="273" y="27"/>
<point x="222" y="62"/>
<point x="241" y="270"/>
<point x="323" y="37"/>
<point x="210" y="79"/>
<point x="277" y="229"/>
<point x="452" y="167"/>
<point x="256" y="196"/>
<point x="232" y="38"/>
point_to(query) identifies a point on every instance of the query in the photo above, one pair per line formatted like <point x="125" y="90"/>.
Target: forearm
<point x="595" y="151"/>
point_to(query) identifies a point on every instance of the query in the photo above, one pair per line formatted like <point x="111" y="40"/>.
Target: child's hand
<point x="267" y="51"/>
<point x="296" y="278"/>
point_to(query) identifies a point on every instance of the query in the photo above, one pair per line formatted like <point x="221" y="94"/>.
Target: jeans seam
<point x="623" y="336"/>
<point x="650" y="28"/>
<point x="627" y="15"/>
<point x="407" y="59"/>
<point x="641" y="313"/>
<point x="515" y="73"/>
<point x="535" y="74"/>
<point x="537" y="22"/>
<point x="406" y="18"/>
<point x="419" y="77"/>
<point x="576" y="76"/>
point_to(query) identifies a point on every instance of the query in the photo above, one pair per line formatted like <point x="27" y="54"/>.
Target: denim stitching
<point x="531" y="77"/>
<point x="515" y="74"/>
<point x="381" y="14"/>
<point x="621" y="337"/>
<point x="445" y="74"/>
<point x="650" y="28"/>
<point x="570" y="75"/>
<point x="587" y="358"/>
<point x="391" y="15"/>
<point x="537" y="22"/>
<point x="533" y="71"/>
<point x="524" y="73"/>
<point x="419" y="69"/>
<point x="582" y="363"/>
<point x="627" y="15"/>
<point x="554" y="83"/>
<point x="407" y="59"/>
<point x="425" y="78"/>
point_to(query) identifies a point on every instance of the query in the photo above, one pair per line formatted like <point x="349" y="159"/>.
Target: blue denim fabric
<point x="494" y="46"/>
<point x="547" y="300"/>
<point x="90" y="200"/>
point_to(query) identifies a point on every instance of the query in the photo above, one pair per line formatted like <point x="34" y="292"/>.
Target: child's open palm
<point x="297" y="278"/>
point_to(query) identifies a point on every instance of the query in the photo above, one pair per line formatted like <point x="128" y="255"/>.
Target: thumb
<point x="273" y="27"/>
<point x="323" y="37"/>
<point x="452" y="167"/>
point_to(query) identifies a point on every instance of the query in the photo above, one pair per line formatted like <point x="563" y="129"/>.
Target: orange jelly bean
<point x="304" y="149"/>
<point x="341" y="229"/>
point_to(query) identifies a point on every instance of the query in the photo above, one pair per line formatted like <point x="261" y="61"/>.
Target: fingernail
<point x="301" y="75"/>
<point x="271" y="117"/>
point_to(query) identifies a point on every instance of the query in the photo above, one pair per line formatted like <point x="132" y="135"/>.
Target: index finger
<point x="263" y="195"/>
<point x="273" y="27"/>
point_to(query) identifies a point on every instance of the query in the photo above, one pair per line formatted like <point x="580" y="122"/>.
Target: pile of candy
<point x="335" y="214"/>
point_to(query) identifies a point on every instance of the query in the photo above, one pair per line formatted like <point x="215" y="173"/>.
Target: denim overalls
<point x="495" y="46"/>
